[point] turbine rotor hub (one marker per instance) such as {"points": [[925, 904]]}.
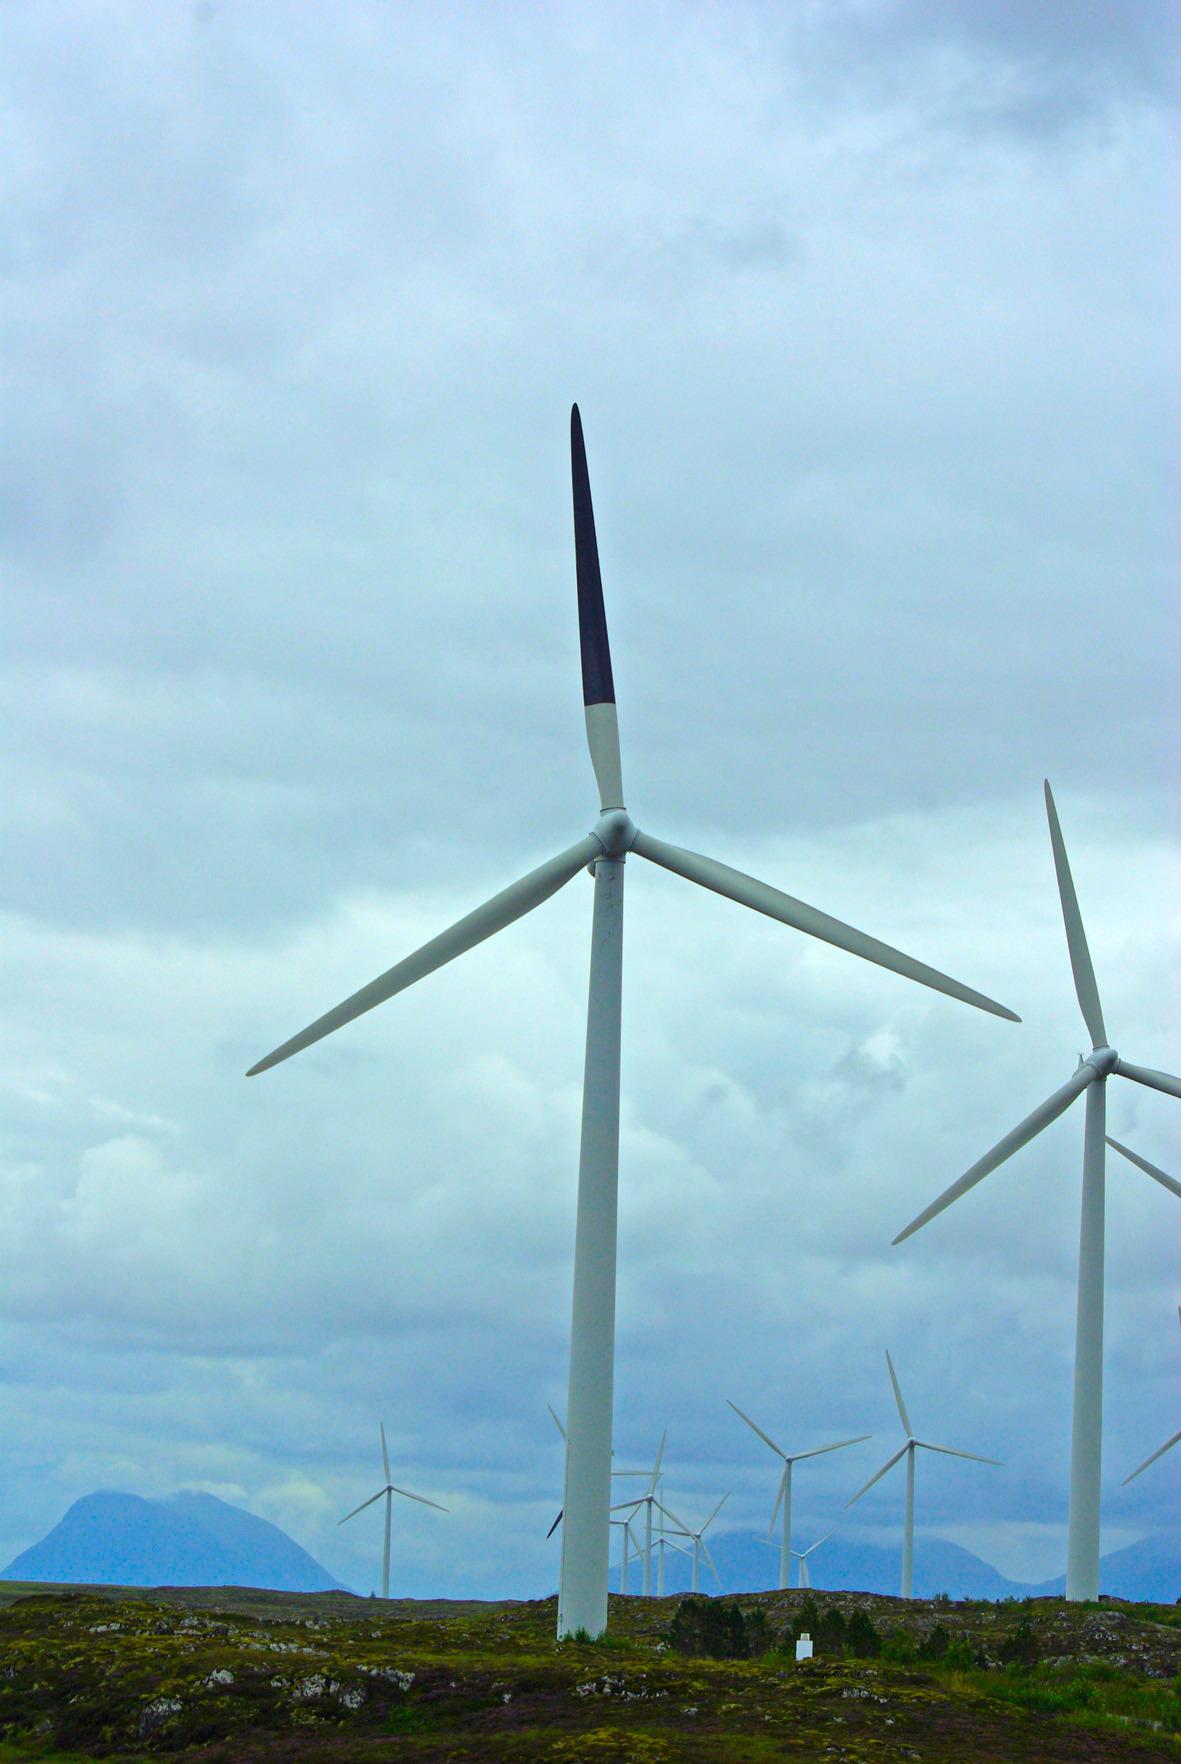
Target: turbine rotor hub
{"points": [[615, 832], [1102, 1060]]}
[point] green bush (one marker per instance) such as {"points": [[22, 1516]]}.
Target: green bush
{"points": [[1020, 1648], [705, 1626], [861, 1638]]}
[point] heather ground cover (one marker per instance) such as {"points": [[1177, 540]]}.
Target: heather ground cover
{"points": [[238, 1676]]}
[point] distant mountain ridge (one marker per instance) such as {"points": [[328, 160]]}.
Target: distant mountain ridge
{"points": [[1150, 1569], [186, 1539]]}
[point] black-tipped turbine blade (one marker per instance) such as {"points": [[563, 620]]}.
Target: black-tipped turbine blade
{"points": [[598, 686]]}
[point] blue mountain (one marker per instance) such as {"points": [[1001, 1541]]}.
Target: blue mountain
{"points": [[1150, 1569], [187, 1539]]}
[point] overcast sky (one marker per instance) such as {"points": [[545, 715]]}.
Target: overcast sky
{"points": [[870, 310]]}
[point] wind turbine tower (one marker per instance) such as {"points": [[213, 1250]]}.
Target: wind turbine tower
{"points": [[1091, 1075], [582, 1600]]}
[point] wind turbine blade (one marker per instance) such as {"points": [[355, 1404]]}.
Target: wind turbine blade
{"points": [[1168, 1445], [1149, 1169], [715, 1513], [818, 1543], [819, 1451], [385, 1456], [1004, 1148], [669, 1514], [422, 1498], [1145, 1075], [1076, 937], [779, 1493], [904, 1417], [953, 1453], [710, 1560], [765, 1437], [554, 1526], [888, 1465], [598, 685], [629, 1506], [362, 1507], [747, 891], [510, 904], [656, 1466], [556, 1422]]}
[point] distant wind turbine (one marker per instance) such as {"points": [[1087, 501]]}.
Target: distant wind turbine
{"points": [[1091, 1075], [784, 1494], [582, 1599], [908, 1451], [1169, 1443], [649, 1502], [700, 1547], [389, 1491], [801, 1557]]}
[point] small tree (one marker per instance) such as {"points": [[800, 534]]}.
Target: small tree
{"points": [[831, 1632], [862, 1638], [1020, 1648], [934, 1644]]}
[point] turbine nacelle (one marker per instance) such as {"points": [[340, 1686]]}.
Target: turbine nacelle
{"points": [[616, 832]]}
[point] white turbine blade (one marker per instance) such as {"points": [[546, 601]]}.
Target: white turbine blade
{"points": [[362, 1507], [556, 1523], [904, 1417], [1149, 1169], [1168, 1445], [1004, 1148], [511, 903], [953, 1453], [598, 686], [629, 1506], [556, 1422], [765, 1437], [1076, 937], [421, 1498], [656, 1466], [819, 1451], [683, 1529], [818, 1543], [1146, 1075], [747, 891], [385, 1456], [714, 1514], [779, 1493], [888, 1465], [712, 1565]]}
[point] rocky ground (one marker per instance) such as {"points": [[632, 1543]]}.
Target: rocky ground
{"points": [[246, 1677]]}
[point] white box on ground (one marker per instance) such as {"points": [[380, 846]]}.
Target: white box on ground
{"points": [[804, 1647]]}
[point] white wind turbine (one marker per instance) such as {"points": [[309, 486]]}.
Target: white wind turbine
{"points": [[700, 1547], [1169, 1443], [784, 1494], [389, 1491], [908, 1450], [582, 1603], [801, 1557], [648, 1500], [1091, 1075]]}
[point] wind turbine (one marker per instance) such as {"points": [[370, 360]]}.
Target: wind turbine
{"points": [[1169, 1443], [700, 1547], [784, 1494], [1091, 1075], [582, 1603], [648, 1501], [389, 1491], [908, 1450], [801, 1557]]}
